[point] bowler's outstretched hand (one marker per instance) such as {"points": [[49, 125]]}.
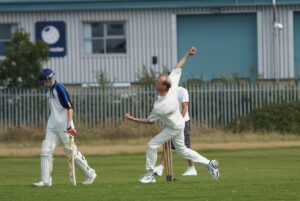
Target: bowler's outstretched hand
{"points": [[128, 116], [192, 51]]}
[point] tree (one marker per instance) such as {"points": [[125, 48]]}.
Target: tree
{"points": [[23, 61], [102, 79]]}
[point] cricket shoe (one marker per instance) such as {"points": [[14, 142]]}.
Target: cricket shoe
{"points": [[147, 179], [190, 171], [213, 168], [42, 183], [91, 179], [158, 170]]}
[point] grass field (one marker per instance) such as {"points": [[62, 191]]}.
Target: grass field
{"points": [[254, 175]]}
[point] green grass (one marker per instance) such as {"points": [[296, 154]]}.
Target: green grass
{"points": [[254, 175]]}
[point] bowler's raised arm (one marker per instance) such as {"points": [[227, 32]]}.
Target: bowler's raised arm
{"points": [[189, 53]]}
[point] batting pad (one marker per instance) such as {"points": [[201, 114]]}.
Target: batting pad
{"points": [[46, 160], [83, 165]]}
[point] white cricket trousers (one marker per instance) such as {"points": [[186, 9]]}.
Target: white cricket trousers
{"points": [[177, 137]]}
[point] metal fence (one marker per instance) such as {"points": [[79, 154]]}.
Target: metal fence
{"points": [[212, 105]]}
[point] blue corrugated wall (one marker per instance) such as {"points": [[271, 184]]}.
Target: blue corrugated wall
{"points": [[297, 43], [227, 45]]}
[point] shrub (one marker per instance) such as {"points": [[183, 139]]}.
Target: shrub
{"points": [[283, 118]]}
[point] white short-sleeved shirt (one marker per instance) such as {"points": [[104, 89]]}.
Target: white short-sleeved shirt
{"points": [[183, 96], [59, 102], [166, 108]]}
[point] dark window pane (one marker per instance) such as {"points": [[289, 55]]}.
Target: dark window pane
{"points": [[1, 48], [115, 29], [98, 46], [97, 30], [116, 45], [3, 45], [5, 31]]}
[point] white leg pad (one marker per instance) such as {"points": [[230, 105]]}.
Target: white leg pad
{"points": [[80, 161], [47, 160], [83, 165]]}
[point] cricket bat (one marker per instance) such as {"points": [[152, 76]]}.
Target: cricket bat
{"points": [[72, 174]]}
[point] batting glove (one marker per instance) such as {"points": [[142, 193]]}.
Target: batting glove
{"points": [[72, 132]]}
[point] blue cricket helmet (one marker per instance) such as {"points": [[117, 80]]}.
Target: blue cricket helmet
{"points": [[46, 74]]}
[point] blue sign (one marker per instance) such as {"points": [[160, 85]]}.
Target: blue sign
{"points": [[52, 33]]}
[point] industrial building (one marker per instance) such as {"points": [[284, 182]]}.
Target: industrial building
{"points": [[250, 39]]}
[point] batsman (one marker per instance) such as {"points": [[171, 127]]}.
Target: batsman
{"points": [[166, 110], [60, 128]]}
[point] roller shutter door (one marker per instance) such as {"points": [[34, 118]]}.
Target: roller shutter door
{"points": [[227, 45]]}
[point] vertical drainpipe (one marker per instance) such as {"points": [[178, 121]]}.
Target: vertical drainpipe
{"points": [[277, 26]]}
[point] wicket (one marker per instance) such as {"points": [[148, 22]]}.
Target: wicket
{"points": [[168, 160]]}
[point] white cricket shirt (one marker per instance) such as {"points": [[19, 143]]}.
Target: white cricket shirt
{"points": [[183, 96], [166, 108], [59, 102]]}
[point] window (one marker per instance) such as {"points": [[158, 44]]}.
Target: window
{"points": [[104, 38], [6, 31]]}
